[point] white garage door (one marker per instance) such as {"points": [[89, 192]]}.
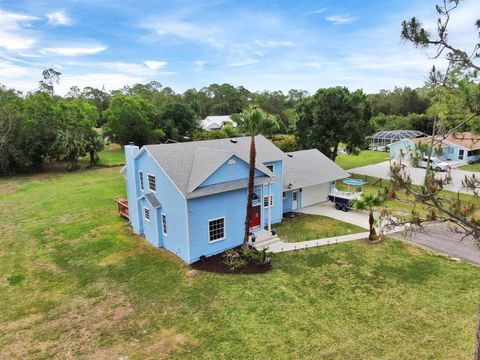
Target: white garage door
{"points": [[315, 194]]}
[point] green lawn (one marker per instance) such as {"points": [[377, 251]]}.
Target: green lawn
{"points": [[112, 155], [311, 227], [75, 283], [365, 157], [471, 167]]}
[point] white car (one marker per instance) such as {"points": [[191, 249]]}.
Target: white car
{"points": [[436, 164]]}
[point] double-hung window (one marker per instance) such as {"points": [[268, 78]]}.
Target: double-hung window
{"points": [[152, 185], [140, 174], [284, 195], [164, 224], [265, 201], [216, 229]]}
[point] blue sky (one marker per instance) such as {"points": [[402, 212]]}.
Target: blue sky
{"points": [[262, 45]]}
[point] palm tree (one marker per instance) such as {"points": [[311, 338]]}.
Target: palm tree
{"points": [[369, 202], [253, 121]]}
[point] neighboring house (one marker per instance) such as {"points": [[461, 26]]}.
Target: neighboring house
{"points": [[191, 198], [463, 146], [216, 122]]}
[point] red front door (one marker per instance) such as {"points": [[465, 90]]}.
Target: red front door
{"points": [[255, 217]]}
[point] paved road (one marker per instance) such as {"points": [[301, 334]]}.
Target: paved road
{"points": [[382, 169], [440, 238]]}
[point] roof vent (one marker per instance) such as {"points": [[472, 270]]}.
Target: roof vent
{"points": [[130, 143], [290, 155], [233, 141]]}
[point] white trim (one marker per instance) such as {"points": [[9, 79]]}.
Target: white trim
{"points": [[148, 180], [270, 203], [187, 227], [144, 213], [166, 225], [296, 192], [270, 207], [224, 230]]}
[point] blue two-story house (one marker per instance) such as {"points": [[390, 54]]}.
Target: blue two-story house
{"points": [[190, 198]]}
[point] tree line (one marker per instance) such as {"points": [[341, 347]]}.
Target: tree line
{"points": [[40, 126]]}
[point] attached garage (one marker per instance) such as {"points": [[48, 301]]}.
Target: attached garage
{"points": [[307, 178], [314, 194]]}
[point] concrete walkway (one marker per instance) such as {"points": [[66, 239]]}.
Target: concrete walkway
{"points": [[382, 170], [281, 246]]}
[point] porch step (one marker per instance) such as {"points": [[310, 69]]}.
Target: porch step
{"points": [[264, 239]]}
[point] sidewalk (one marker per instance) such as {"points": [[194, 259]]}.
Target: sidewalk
{"points": [[281, 246]]}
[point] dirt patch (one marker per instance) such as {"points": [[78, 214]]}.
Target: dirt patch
{"points": [[215, 264], [7, 189]]}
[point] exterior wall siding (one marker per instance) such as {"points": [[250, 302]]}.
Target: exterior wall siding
{"points": [[277, 187], [287, 202], [230, 172], [173, 206], [133, 189], [149, 227], [230, 205]]}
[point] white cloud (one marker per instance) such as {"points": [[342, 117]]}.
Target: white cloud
{"points": [[199, 63], [242, 63], [340, 19], [318, 11], [73, 51], [155, 65], [273, 43], [13, 35], [58, 18]]}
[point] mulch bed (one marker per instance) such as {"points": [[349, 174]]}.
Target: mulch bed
{"points": [[215, 264]]}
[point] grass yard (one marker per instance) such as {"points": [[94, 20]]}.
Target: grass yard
{"points": [[365, 157], [75, 283], [112, 155], [311, 227], [471, 167]]}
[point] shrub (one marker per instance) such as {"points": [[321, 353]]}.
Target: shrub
{"points": [[259, 257], [234, 260]]}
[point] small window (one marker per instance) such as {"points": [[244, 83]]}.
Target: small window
{"points": [[450, 150], [470, 153], [164, 224], [284, 195], [216, 229], [146, 213], [141, 180], [152, 185], [294, 196], [265, 201], [270, 167]]}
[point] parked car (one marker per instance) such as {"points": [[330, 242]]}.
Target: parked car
{"points": [[436, 164]]}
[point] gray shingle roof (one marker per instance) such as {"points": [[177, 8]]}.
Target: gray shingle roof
{"points": [[309, 167], [152, 199], [189, 164]]}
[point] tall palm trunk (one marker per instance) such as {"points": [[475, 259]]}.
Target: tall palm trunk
{"points": [[251, 178], [372, 233]]}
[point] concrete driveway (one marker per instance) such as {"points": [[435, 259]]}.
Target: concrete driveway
{"points": [[353, 216], [440, 238], [381, 170]]}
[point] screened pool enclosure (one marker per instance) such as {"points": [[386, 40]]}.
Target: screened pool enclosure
{"points": [[384, 138]]}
